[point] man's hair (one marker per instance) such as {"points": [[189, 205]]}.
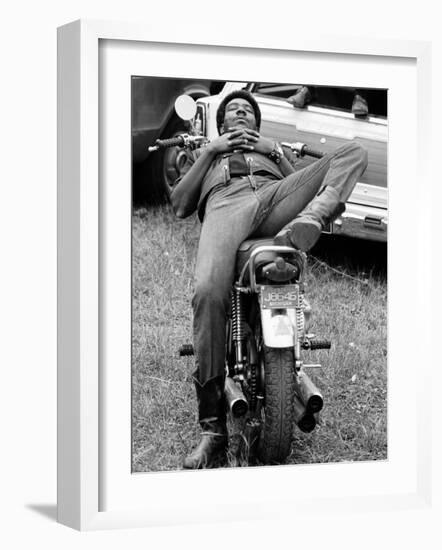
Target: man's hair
{"points": [[244, 94]]}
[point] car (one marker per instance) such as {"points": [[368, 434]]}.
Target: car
{"points": [[153, 117], [324, 124]]}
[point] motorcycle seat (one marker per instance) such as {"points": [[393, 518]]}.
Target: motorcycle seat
{"points": [[247, 247]]}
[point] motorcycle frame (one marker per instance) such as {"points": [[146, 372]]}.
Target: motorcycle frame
{"points": [[287, 316]]}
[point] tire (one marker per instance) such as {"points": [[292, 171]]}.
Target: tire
{"points": [[276, 434], [172, 161], [162, 165]]}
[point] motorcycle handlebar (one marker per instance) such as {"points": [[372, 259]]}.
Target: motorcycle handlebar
{"points": [[185, 140], [313, 152], [182, 140], [165, 143], [302, 149]]}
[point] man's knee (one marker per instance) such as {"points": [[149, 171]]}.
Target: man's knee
{"points": [[362, 154], [211, 293], [356, 152]]}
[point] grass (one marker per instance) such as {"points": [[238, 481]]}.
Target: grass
{"points": [[347, 288]]}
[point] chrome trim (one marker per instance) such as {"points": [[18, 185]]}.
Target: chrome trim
{"points": [[250, 264]]}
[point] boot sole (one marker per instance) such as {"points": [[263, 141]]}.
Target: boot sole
{"points": [[218, 458], [301, 235], [218, 461]]}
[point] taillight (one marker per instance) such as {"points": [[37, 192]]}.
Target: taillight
{"points": [[280, 271]]}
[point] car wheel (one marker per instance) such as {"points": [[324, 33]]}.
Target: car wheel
{"points": [[173, 160], [165, 165]]}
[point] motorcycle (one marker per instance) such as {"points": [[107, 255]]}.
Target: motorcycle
{"points": [[268, 334]]}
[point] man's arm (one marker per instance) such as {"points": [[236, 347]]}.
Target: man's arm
{"points": [[185, 196], [286, 166], [265, 146]]}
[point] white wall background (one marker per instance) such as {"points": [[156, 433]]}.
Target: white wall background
{"points": [[28, 267]]}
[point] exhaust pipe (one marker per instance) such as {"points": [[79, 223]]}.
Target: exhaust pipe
{"points": [[308, 392], [304, 419], [236, 401]]}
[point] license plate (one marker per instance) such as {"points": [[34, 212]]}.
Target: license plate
{"points": [[279, 297]]}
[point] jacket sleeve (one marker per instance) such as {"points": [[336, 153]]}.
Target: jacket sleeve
{"points": [[191, 157], [291, 157]]}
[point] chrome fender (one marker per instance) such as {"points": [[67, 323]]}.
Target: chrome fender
{"points": [[278, 327]]}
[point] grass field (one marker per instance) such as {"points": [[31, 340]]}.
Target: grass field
{"points": [[347, 289]]}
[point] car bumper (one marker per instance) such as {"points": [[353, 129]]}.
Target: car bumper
{"points": [[361, 222]]}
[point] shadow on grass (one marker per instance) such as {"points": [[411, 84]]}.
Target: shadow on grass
{"points": [[356, 255]]}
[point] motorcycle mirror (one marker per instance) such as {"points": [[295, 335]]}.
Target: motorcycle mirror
{"points": [[185, 107]]}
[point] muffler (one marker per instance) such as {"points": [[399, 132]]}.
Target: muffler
{"points": [[236, 401], [308, 392], [304, 419]]}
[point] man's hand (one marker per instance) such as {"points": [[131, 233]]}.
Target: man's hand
{"points": [[229, 141], [259, 143], [243, 139]]}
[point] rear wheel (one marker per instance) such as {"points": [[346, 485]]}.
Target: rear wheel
{"points": [[276, 434]]}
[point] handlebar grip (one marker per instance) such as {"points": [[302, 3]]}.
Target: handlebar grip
{"points": [[171, 142], [312, 152]]}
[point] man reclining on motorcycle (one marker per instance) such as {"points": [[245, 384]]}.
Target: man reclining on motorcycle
{"points": [[244, 185]]}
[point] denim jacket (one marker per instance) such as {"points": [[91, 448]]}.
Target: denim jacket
{"points": [[218, 172]]}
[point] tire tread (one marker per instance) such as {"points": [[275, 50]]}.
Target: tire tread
{"points": [[276, 436]]}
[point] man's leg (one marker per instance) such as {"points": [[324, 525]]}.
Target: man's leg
{"points": [[212, 419], [229, 218], [304, 202]]}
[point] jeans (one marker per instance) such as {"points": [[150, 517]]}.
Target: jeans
{"points": [[238, 211]]}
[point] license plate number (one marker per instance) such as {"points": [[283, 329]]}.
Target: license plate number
{"points": [[279, 297]]}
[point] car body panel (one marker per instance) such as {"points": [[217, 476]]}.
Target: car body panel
{"points": [[153, 101]]}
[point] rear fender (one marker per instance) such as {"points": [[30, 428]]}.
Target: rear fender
{"points": [[278, 327]]}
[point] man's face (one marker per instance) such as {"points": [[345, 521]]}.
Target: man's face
{"points": [[239, 113]]}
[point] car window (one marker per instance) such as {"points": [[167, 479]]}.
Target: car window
{"points": [[276, 90], [340, 98]]}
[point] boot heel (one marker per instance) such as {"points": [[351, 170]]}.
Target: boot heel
{"points": [[302, 234], [305, 234]]}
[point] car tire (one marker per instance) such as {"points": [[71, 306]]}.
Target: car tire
{"points": [[172, 159], [164, 165]]}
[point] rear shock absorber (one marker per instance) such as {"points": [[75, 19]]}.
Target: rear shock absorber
{"points": [[238, 327], [299, 312], [253, 386]]}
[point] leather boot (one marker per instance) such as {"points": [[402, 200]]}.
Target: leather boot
{"points": [[301, 98], [304, 231], [212, 418]]}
